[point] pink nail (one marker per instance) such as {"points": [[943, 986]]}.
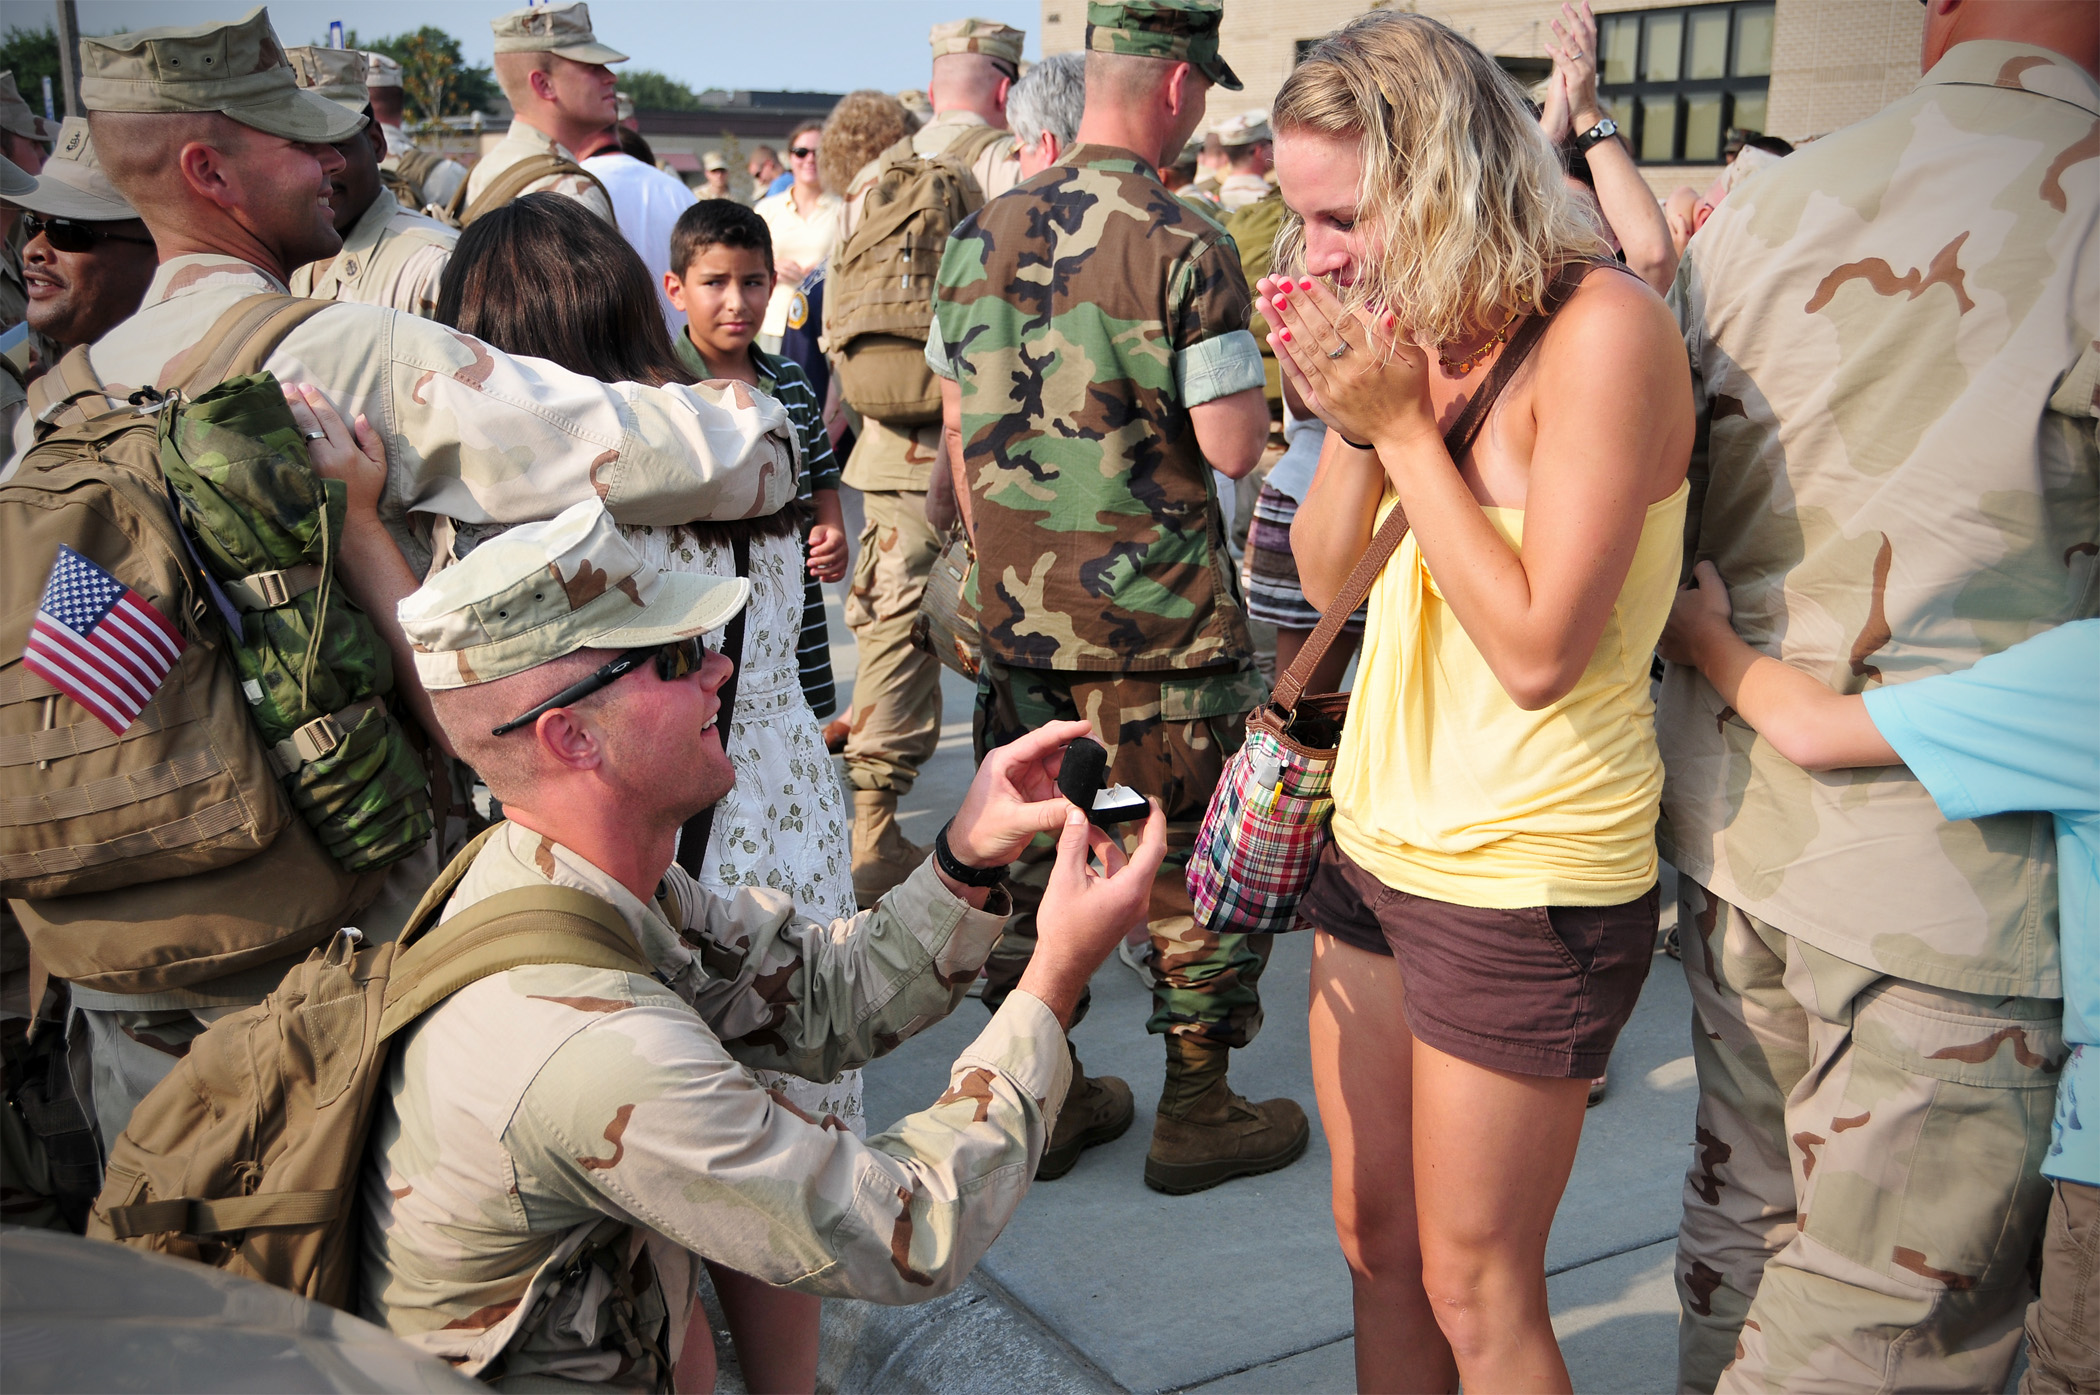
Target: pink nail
{"points": [[1305, 285], [1285, 336], [1282, 303]]}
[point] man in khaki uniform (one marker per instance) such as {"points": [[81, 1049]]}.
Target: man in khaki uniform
{"points": [[391, 255], [897, 689], [553, 1145], [1892, 336], [24, 137], [228, 162], [1247, 144], [562, 94], [433, 178]]}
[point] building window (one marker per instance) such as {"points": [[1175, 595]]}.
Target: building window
{"points": [[1300, 49], [1677, 80]]}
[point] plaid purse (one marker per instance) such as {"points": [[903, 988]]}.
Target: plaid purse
{"points": [[1267, 822]]}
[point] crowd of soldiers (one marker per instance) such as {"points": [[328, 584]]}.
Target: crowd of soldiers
{"points": [[557, 1142]]}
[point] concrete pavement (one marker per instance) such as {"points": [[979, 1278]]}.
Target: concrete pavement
{"points": [[1100, 1284]]}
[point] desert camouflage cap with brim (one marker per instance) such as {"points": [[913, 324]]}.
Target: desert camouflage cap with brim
{"points": [[18, 116], [335, 73], [1180, 31], [381, 71], [238, 70], [986, 36], [563, 30], [72, 184], [14, 180], [1245, 129], [542, 590]]}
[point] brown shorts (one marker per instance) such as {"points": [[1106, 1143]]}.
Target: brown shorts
{"points": [[1542, 990]]}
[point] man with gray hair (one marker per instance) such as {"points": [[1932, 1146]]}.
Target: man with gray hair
{"points": [[1043, 110]]}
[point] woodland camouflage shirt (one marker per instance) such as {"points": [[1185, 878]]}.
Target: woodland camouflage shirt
{"points": [[1084, 314]]}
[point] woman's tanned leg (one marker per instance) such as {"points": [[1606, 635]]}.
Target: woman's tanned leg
{"points": [[1491, 1158], [773, 1329], [1362, 1077]]}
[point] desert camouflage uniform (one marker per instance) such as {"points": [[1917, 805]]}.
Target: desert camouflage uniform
{"points": [[1892, 335], [391, 256], [443, 179], [1083, 316], [896, 688], [522, 142], [532, 1120], [471, 433]]}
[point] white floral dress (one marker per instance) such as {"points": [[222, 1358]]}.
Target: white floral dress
{"points": [[783, 825]]}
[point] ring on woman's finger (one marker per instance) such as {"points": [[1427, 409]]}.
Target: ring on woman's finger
{"points": [[1339, 349], [315, 435]]}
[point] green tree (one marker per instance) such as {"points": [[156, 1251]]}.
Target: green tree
{"points": [[435, 80], [32, 55], [652, 91]]}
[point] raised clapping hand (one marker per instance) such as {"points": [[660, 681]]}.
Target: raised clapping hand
{"points": [[1373, 390], [1574, 54]]}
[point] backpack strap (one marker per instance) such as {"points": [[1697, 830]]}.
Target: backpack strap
{"points": [[68, 394], [239, 342], [514, 181]]}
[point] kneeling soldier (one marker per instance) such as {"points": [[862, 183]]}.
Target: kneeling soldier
{"points": [[556, 1143]]}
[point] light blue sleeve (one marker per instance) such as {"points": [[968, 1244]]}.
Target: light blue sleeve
{"points": [[1217, 367], [2018, 730]]}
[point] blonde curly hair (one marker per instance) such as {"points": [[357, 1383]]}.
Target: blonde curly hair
{"points": [[1459, 183], [860, 127]]}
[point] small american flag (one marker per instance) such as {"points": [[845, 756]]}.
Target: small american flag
{"points": [[99, 642]]}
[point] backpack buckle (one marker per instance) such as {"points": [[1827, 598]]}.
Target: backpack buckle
{"points": [[310, 742], [270, 586]]}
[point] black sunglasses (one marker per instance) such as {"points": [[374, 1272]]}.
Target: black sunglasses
{"points": [[72, 235], [802, 152], [673, 661]]}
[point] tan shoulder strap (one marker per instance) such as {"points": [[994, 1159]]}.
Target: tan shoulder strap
{"points": [[62, 396], [1290, 685], [513, 182], [239, 342]]}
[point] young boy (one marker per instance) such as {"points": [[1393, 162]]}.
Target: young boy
{"points": [[721, 276], [2019, 730]]}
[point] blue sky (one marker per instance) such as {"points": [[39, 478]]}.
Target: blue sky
{"points": [[810, 45]]}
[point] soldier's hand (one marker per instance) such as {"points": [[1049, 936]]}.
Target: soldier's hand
{"points": [[353, 454], [1014, 797], [1086, 912]]}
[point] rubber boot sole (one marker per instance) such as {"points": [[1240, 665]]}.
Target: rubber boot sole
{"points": [[1056, 1162], [1181, 1179]]}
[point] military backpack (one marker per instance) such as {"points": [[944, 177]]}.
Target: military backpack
{"points": [[511, 185], [1254, 229], [405, 180], [879, 291], [247, 1157], [245, 813]]}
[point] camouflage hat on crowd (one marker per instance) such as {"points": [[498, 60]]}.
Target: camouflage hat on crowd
{"points": [[335, 73], [1182, 31], [713, 160], [916, 104], [381, 71], [1245, 129], [541, 590], [16, 116], [985, 36], [72, 184], [238, 70], [14, 180], [563, 30]]}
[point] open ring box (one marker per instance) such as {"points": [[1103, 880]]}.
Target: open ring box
{"points": [[1079, 779]]}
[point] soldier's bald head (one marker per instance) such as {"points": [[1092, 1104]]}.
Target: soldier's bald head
{"points": [[513, 765], [514, 74], [967, 80], [1126, 78], [140, 150]]}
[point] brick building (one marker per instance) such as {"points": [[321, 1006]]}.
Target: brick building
{"points": [[1676, 76]]}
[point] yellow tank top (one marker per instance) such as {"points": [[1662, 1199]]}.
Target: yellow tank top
{"points": [[1447, 789]]}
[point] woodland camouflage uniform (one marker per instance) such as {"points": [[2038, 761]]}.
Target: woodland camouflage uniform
{"points": [[1892, 335]]}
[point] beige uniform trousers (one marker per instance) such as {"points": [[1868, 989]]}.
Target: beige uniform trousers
{"points": [[1863, 1196], [897, 691]]}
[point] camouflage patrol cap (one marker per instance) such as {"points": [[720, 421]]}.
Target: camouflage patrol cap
{"points": [[713, 160], [1182, 31], [985, 36], [238, 70], [381, 71], [335, 73], [72, 184], [16, 116], [562, 29], [1245, 129], [542, 590]]}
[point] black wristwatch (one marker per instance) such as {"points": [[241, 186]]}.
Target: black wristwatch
{"points": [[1603, 131], [944, 857]]}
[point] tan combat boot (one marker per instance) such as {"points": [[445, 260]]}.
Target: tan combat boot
{"points": [[1205, 1134], [882, 855], [1098, 1109]]}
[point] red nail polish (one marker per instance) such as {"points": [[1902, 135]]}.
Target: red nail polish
{"points": [[1282, 303], [1285, 336], [1305, 285]]}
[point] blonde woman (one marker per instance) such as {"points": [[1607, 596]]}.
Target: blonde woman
{"points": [[1487, 910]]}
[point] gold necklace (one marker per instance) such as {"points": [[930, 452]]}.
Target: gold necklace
{"points": [[1472, 360]]}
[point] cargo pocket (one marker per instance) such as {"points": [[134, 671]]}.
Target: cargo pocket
{"points": [[1203, 720]]}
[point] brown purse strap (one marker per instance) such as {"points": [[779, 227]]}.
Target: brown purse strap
{"points": [[1458, 440]]}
